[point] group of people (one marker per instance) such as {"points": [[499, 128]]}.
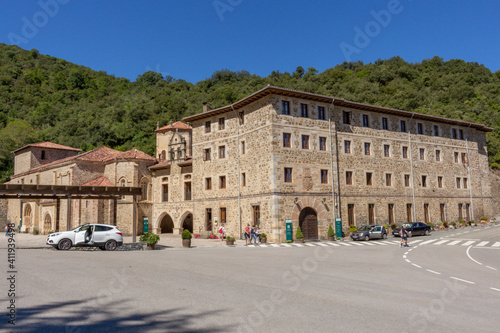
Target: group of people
{"points": [[252, 233], [404, 237]]}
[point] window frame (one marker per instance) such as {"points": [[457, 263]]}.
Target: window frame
{"points": [[285, 107], [321, 113], [222, 152], [222, 124], [287, 143], [304, 112], [288, 175], [322, 143], [208, 127], [324, 176], [305, 144]]}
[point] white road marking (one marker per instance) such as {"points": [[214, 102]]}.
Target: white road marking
{"points": [[321, 244], [286, 245], [387, 242], [416, 241], [358, 244], [497, 244], [493, 268], [428, 242], [345, 244], [332, 244], [274, 245], [250, 245], [262, 245], [454, 242], [434, 272], [465, 232], [379, 243], [369, 243], [468, 243], [309, 244], [455, 278], [482, 244], [407, 260], [468, 255], [494, 289], [404, 256], [441, 242], [298, 245], [417, 266]]}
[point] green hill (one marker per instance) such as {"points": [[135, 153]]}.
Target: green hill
{"points": [[43, 98]]}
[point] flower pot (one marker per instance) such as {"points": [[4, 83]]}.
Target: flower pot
{"points": [[331, 238], [299, 240], [229, 242], [151, 246], [263, 240], [186, 243]]}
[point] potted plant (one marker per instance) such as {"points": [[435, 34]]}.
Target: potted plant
{"points": [[445, 224], [462, 222], [484, 220], [471, 223], [352, 228], [299, 236], [230, 240], [150, 239], [331, 234], [186, 238], [430, 224], [263, 238], [35, 231], [453, 224], [393, 226]]}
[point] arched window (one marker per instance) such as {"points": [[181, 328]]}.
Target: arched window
{"points": [[43, 154], [123, 183], [47, 223], [163, 155], [27, 216]]}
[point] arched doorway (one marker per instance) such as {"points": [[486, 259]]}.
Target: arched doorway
{"points": [[188, 223], [167, 225], [308, 222], [47, 224], [27, 218]]}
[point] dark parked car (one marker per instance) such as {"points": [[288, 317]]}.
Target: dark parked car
{"points": [[368, 232], [414, 229]]}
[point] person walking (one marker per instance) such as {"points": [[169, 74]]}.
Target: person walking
{"points": [[247, 235], [6, 230], [256, 235], [404, 237], [222, 231]]}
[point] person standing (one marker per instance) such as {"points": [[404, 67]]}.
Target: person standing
{"points": [[404, 237], [6, 230], [256, 235], [247, 235], [222, 231]]}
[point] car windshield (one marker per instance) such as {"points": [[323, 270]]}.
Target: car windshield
{"points": [[364, 228], [80, 227], [407, 225]]}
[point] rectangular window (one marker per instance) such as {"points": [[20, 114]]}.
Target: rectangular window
{"points": [[223, 215], [460, 211], [350, 214], [442, 212], [365, 121], [369, 178], [405, 152], [435, 130], [288, 175], [407, 180], [424, 181], [303, 110], [321, 113], [187, 191], [241, 117], [438, 155], [371, 213], [458, 182], [408, 213], [390, 213], [208, 219], [461, 132], [324, 176], [256, 216], [420, 128], [243, 179], [222, 152], [453, 133], [208, 128], [348, 177], [455, 156], [222, 124], [346, 117], [385, 125], [322, 143], [305, 141], [286, 140], [347, 147], [402, 126], [440, 181], [388, 179], [467, 211], [466, 183], [285, 107], [222, 182], [165, 193], [206, 154], [386, 150], [426, 213], [208, 183], [422, 154], [367, 148], [464, 158], [242, 147]]}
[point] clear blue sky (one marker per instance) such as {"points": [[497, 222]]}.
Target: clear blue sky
{"points": [[190, 39]]}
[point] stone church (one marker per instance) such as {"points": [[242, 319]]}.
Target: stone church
{"points": [[275, 155]]}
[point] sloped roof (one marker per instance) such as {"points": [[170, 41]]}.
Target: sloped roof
{"points": [[101, 181], [160, 165], [177, 125], [135, 154], [47, 145]]}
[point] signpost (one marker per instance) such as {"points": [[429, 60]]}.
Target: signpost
{"points": [[338, 227], [145, 224], [288, 230]]}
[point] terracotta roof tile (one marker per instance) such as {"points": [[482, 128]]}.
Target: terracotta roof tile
{"points": [[49, 145], [101, 181], [176, 125], [160, 165], [137, 154]]}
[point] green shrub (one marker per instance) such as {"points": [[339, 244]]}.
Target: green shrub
{"points": [[186, 234], [453, 224], [393, 226], [229, 238], [352, 228], [386, 226], [494, 165], [462, 221], [484, 218], [299, 234], [330, 232], [471, 222], [262, 235], [149, 238]]}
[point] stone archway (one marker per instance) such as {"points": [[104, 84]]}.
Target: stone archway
{"points": [[308, 222], [27, 218], [167, 225], [47, 223], [187, 223]]}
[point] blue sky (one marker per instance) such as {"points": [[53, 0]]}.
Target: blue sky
{"points": [[191, 39]]}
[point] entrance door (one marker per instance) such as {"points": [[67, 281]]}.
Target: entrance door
{"points": [[308, 222], [167, 225], [188, 223]]}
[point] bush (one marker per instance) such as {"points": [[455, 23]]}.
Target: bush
{"points": [[494, 165], [471, 222], [386, 226], [330, 232], [430, 225], [35, 231], [186, 234], [393, 226], [150, 238], [484, 218], [453, 224], [352, 228], [461, 221], [262, 235], [229, 238], [299, 234]]}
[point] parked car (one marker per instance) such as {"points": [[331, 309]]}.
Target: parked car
{"points": [[104, 236], [414, 229], [368, 232]]}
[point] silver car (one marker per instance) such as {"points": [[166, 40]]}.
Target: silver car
{"points": [[104, 236], [368, 232]]}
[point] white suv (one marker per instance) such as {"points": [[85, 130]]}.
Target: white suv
{"points": [[104, 236]]}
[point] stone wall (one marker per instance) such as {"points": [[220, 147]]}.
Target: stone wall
{"points": [[3, 212]]}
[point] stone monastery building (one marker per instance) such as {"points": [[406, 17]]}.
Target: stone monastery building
{"points": [[276, 155]]}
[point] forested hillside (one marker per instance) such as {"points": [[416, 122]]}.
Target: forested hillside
{"points": [[43, 98]]}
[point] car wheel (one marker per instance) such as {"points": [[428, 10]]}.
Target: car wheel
{"points": [[110, 245], [367, 238], [64, 244], [384, 236], [102, 248], [409, 233], [427, 233]]}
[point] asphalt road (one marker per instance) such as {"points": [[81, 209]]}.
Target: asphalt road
{"points": [[447, 282]]}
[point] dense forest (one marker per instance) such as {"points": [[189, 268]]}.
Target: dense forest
{"points": [[43, 98]]}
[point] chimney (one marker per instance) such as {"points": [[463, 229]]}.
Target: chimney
{"points": [[157, 125], [206, 107]]}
